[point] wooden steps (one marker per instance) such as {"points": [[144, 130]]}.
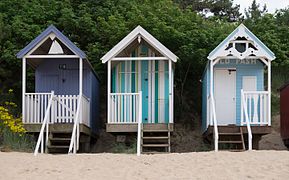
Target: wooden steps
{"points": [[233, 141], [58, 142], [154, 141]]}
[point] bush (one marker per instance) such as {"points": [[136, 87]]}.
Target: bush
{"points": [[123, 148], [13, 136], [12, 141]]}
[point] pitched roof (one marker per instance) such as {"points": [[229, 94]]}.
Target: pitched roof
{"points": [[59, 35], [131, 37], [242, 31]]}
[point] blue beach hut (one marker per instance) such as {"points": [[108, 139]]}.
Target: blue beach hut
{"points": [[66, 97], [236, 100]]}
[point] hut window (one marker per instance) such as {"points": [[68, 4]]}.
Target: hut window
{"points": [[240, 47]]}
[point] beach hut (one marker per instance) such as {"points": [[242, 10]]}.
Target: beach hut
{"points": [[140, 88], [63, 110], [284, 113], [236, 99]]}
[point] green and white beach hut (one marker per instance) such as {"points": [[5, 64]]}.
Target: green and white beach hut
{"points": [[140, 84]]}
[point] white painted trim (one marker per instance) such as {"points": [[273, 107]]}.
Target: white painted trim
{"points": [[170, 92], [51, 56], [80, 84], [37, 46], [264, 61], [138, 58], [153, 91], [269, 91], [23, 87], [108, 90], [242, 31], [80, 76], [211, 88], [138, 31]]}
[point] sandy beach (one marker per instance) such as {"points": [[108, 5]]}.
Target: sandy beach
{"points": [[202, 165]]}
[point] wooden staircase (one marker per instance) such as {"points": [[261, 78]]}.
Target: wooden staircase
{"points": [[155, 141], [58, 142], [233, 141]]}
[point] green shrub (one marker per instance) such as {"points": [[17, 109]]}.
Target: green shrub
{"points": [[123, 148], [11, 141]]}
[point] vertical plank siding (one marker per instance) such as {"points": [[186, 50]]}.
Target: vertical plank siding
{"points": [[151, 77]]}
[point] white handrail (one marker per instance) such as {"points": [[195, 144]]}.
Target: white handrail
{"points": [[139, 124], [255, 92], [74, 142], [244, 103], [216, 134], [44, 123]]}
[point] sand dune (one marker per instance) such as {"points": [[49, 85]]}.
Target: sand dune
{"points": [[202, 165]]}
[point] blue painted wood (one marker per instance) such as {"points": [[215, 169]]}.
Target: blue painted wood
{"points": [[156, 92], [144, 88], [241, 71], [166, 92], [48, 77]]}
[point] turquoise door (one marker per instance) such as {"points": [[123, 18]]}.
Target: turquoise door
{"points": [[144, 85]]}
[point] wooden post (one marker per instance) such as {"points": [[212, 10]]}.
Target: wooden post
{"points": [[23, 87], [80, 75], [170, 93], [108, 89], [139, 122], [269, 91], [211, 89]]}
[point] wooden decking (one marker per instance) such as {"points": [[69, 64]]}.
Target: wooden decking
{"points": [[127, 128], [59, 128], [257, 132]]}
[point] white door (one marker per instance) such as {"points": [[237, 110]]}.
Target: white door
{"points": [[225, 96]]}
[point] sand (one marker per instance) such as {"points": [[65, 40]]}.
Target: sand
{"points": [[201, 165]]}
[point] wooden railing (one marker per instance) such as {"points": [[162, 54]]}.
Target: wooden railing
{"points": [[63, 108], [247, 120], [124, 107], [74, 142], [139, 125], [213, 121], [45, 126], [257, 105], [35, 107]]}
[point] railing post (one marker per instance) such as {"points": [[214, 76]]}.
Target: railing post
{"points": [[247, 120], [23, 88], [139, 125]]}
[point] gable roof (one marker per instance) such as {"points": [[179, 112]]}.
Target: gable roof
{"points": [[59, 35], [131, 37], [242, 31]]}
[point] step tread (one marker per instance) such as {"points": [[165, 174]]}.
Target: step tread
{"points": [[152, 130], [155, 137], [154, 152], [230, 134], [231, 142], [155, 145], [57, 147], [59, 139]]}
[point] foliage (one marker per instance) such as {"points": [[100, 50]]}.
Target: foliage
{"points": [[12, 132], [11, 141], [123, 148], [96, 26]]}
